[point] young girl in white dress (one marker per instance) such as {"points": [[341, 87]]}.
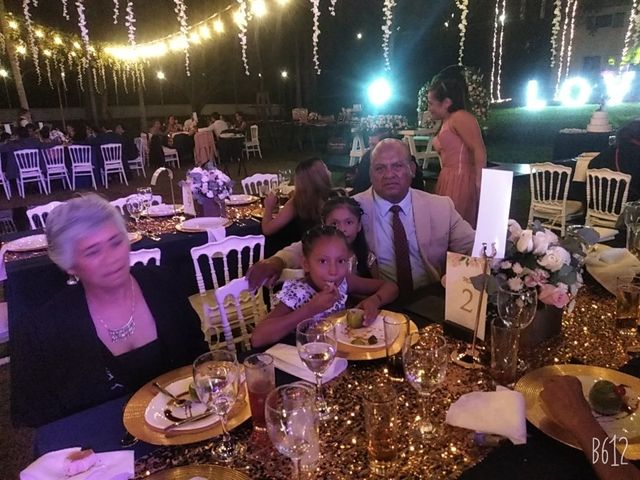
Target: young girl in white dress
{"points": [[324, 289]]}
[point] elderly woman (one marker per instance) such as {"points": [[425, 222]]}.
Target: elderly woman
{"points": [[105, 337]]}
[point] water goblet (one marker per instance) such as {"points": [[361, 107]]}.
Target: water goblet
{"points": [[425, 357], [517, 309], [292, 420], [216, 377], [135, 207], [317, 347]]}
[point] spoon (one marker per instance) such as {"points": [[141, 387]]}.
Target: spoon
{"points": [[178, 402]]}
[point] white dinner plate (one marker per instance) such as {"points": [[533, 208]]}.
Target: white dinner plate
{"points": [[164, 210], [28, 244], [346, 334], [155, 416], [241, 199], [201, 224]]}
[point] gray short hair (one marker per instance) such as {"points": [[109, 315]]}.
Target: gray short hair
{"points": [[75, 219]]}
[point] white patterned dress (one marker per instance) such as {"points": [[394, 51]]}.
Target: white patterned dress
{"points": [[296, 293]]}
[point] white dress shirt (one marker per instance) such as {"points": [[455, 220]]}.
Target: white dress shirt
{"points": [[219, 126], [385, 247]]}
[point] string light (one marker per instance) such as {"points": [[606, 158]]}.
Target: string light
{"points": [[332, 8], [32, 39], [555, 30], [84, 31], [315, 8], [65, 11], [181, 14], [565, 25], [240, 17], [463, 5], [116, 11], [564, 60], [570, 47], [218, 26], [130, 23], [387, 11], [13, 24], [258, 8], [204, 32], [633, 25], [499, 18]]}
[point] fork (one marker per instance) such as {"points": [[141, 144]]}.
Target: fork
{"points": [[178, 402]]}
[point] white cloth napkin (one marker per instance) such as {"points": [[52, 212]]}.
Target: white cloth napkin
{"points": [[501, 412], [216, 234], [3, 268], [286, 358], [110, 466], [606, 264]]}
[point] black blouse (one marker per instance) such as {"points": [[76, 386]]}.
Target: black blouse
{"points": [[59, 365]]}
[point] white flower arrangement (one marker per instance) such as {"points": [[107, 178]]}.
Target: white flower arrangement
{"points": [[537, 258], [209, 184], [390, 122]]}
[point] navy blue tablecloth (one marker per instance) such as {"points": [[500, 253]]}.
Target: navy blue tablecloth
{"points": [[570, 145]]}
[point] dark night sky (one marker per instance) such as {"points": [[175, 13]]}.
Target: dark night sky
{"points": [[421, 46]]}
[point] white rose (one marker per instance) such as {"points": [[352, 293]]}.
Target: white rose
{"points": [[525, 242], [514, 229], [506, 265], [515, 284], [204, 187], [555, 258], [209, 194]]}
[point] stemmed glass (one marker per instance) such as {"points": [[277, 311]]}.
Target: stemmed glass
{"points": [[517, 309], [425, 357], [146, 194], [292, 420], [317, 347], [216, 376], [135, 208]]}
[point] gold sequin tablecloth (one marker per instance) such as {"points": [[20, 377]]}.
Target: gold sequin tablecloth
{"points": [[588, 336]]}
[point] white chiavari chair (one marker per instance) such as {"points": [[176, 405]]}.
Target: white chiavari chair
{"points": [[28, 162], [112, 158], [144, 256], [607, 193], [38, 215], [81, 165], [55, 168], [251, 185]]}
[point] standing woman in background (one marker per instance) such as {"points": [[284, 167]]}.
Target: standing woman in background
{"points": [[460, 145]]}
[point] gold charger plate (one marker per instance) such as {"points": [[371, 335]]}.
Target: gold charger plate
{"points": [[351, 352], [133, 417], [182, 229], [134, 237], [531, 385], [210, 472]]}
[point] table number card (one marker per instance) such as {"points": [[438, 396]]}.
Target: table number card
{"points": [[187, 200], [462, 298], [493, 211]]}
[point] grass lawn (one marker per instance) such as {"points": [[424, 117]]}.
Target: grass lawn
{"points": [[519, 135]]}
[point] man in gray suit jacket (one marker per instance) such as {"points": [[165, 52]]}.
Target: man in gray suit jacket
{"points": [[431, 223]]}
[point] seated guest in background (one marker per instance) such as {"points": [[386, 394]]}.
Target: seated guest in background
{"points": [[312, 180], [92, 132], [172, 125], [56, 134], [157, 141], [44, 135], [397, 219], [218, 124], [105, 337], [4, 137], [22, 141], [107, 135], [129, 149], [32, 129], [459, 143], [239, 124], [24, 117], [624, 156], [324, 289]]}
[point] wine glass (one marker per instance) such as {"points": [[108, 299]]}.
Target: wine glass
{"points": [[146, 194], [317, 346], [517, 309], [134, 208], [424, 357], [292, 421], [216, 380]]}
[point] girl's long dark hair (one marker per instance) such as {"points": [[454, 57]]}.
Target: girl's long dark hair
{"points": [[359, 246]]}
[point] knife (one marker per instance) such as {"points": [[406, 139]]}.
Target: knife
{"points": [[195, 418]]}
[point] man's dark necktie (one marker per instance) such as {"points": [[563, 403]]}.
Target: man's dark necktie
{"points": [[403, 262]]}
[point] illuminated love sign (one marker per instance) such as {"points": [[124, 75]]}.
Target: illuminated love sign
{"points": [[576, 91]]}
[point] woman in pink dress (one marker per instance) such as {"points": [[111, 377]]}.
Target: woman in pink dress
{"points": [[459, 143]]}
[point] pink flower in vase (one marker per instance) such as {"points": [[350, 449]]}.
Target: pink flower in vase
{"points": [[536, 277], [555, 295]]}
